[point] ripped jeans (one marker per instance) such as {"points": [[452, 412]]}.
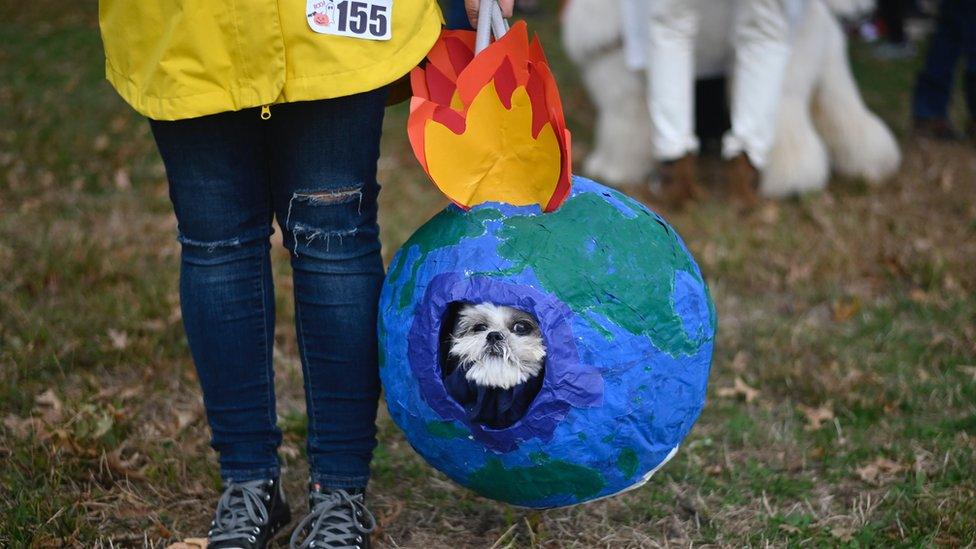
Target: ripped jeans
{"points": [[311, 166]]}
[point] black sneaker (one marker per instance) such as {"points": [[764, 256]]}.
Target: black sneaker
{"points": [[338, 519], [249, 514]]}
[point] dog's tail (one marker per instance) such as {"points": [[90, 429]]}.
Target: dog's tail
{"points": [[860, 144]]}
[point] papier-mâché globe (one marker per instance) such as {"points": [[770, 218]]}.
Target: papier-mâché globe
{"points": [[622, 307]]}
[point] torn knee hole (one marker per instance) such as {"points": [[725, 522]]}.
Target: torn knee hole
{"points": [[212, 245], [307, 235], [331, 196]]}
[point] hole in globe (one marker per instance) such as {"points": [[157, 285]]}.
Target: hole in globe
{"points": [[492, 361]]}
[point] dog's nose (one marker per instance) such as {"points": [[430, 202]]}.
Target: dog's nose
{"points": [[494, 337]]}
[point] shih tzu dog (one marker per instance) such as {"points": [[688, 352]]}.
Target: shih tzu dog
{"points": [[498, 355]]}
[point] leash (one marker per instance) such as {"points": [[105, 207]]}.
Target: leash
{"points": [[491, 23]]}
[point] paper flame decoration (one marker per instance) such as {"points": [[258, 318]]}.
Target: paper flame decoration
{"points": [[490, 128]]}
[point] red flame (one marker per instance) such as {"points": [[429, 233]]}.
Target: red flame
{"points": [[453, 76]]}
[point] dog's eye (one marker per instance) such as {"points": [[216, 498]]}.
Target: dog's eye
{"points": [[479, 328], [522, 327]]}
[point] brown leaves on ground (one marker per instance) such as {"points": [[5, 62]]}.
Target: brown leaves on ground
{"points": [[82, 427], [739, 389], [880, 471], [816, 417]]}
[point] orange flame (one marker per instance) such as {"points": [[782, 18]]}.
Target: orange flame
{"points": [[490, 128]]}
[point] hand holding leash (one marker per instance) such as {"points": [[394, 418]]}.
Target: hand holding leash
{"points": [[474, 9]]}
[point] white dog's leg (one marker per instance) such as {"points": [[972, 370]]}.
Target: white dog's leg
{"points": [[860, 144], [621, 154], [798, 162]]}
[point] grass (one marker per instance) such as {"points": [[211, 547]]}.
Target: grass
{"points": [[848, 319]]}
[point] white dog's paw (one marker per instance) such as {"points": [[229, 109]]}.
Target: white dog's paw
{"points": [[864, 148]]}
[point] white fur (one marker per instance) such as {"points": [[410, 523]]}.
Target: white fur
{"points": [[521, 355], [823, 121]]}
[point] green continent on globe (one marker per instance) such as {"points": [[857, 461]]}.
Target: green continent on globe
{"points": [[525, 484], [595, 259], [445, 229], [627, 462]]}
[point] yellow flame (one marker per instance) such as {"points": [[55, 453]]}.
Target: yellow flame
{"points": [[497, 145]]}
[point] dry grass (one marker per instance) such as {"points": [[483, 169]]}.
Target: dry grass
{"points": [[842, 409]]}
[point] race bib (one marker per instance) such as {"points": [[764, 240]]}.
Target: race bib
{"points": [[366, 19]]}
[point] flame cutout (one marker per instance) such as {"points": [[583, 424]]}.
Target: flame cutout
{"points": [[490, 128]]}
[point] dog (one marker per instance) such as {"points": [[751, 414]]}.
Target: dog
{"points": [[822, 123], [498, 354]]}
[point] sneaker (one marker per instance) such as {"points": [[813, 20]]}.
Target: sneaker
{"points": [[249, 514], [338, 519]]}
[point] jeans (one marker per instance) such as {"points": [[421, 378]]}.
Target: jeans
{"points": [[456, 15], [661, 35], [954, 36], [312, 166]]}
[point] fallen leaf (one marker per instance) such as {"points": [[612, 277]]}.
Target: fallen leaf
{"points": [[845, 309], [738, 389], [919, 296], [183, 418], [877, 471], [189, 543], [49, 406], [119, 339], [125, 467], [816, 416], [48, 399], [740, 362]]}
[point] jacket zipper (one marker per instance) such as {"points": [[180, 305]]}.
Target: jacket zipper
{"points": [[265, 112]]}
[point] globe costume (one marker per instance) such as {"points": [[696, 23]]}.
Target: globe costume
{"points": [[624, 312]]}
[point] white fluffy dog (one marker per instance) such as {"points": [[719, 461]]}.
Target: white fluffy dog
{"points": [[822, 120]]}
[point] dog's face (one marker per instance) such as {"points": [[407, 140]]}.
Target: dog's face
{"points": [[498, 346]]}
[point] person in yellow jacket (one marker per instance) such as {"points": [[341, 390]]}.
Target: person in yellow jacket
{"points": [[263, 110]]}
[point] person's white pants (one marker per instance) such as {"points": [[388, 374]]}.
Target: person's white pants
{"points": [[760, 36]]}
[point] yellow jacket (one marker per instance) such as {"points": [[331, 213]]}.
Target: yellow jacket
{"points": [[174, 59]]}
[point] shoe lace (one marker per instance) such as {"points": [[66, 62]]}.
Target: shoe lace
{"points": [[336, 521], [241, 511]]}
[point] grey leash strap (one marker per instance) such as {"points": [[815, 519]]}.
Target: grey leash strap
{"points": [[491, 23]]}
